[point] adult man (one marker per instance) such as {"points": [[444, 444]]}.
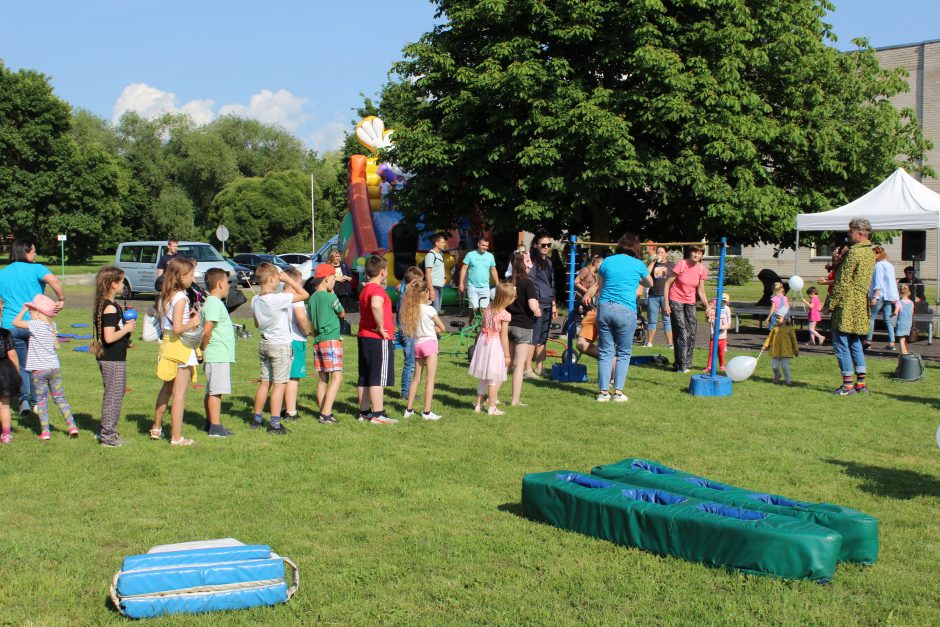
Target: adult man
{"points": [[434, 268], [172, 246], [477, 270], [849, 306]]}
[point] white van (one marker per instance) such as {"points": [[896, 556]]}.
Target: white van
{"points": [[139, 261]]}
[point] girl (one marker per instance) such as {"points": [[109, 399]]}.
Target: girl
{"points": [[904, 311], [779, 305], [491, 355], [177, 361], [783, 346], [815, 316], [114, 336], [723, 327], [42, 362], [412, 274], [421, 324], [10, 382]]}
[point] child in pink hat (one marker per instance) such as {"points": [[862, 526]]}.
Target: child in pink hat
{"points": [[42, 361]]}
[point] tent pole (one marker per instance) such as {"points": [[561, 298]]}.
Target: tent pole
{"points": [[937, 298], [796, 254]]}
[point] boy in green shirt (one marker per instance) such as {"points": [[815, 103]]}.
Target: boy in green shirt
{"points": [[218, 349], [325, 315]]}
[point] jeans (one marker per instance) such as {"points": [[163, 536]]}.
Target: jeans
{"points": [[655, 305], [849, 353], [408, 367], [438, 299], [615, 326], [21, 344], [885, 308]]}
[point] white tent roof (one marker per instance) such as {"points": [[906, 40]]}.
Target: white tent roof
{"points": [[899, 203]]}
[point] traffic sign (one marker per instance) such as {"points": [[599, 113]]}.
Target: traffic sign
{"points": [[222, 233]]}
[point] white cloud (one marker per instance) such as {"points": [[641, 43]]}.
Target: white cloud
{"points": [[282, 108], [329, 137]]}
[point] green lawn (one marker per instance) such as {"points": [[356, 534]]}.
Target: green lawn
{"points": [[420, 522], [54, 264]]}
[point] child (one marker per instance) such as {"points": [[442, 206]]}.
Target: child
{"points": [[42, 362], [783, 346], [420, 322], [491, 354], [815, 317], [904, 311], [779, 305], [325, 315], [271, 312], [412, 274], [177, 362], [376, 350], [724, 325], [114, 336], [218, 350], [299, 330], [10, 382]]}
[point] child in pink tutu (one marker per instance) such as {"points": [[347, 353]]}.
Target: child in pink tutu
{"points": [[491, 354]]}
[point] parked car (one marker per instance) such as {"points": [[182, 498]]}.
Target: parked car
{"points": [[253, 260], [302, 261], [244, 274], [324, 250]]}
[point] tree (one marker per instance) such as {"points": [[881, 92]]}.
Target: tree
{"points": [[258, 148], [673, 118]]}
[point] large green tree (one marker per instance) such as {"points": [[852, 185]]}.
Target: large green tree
{"points": [[674, 118]]}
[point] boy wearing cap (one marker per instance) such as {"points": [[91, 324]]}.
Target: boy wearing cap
{"points": [[325, 315], [723, 327]]}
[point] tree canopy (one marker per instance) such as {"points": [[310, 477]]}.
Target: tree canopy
{"points": [[679, 118]]}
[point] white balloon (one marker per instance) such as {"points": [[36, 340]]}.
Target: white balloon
{"points": [[741, 368], [796, 282], [938, 436]]}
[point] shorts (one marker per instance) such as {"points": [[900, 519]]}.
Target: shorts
{"points": [[589, 326], [541, 326], [518, 335], [328, 356], [425, 349], [479, 297], [275, 361], [376, 362], [218, 377], [298, 365]]}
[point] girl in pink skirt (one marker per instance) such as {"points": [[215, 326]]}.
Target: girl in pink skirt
{"points": [[491, 355]]}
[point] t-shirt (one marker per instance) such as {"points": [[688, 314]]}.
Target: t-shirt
{"points": [[435, 261], [521, 314], [270, 310], [586, 278], [622, 275], [324, 316], [366, 319], [167, 318], [165, 261], [221, 346], [660, 275], [687, 279], [296, 333], [783, 305], [115, 351], [724, 325], [20, 282], [425, 329], [41, 354], [478, 268]]}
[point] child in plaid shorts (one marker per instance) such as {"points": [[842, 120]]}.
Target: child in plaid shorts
{"points": [[325, 315]]}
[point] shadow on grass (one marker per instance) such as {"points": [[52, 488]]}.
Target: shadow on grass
{"points": [[896, 483], [512, 508], [914, 396]]}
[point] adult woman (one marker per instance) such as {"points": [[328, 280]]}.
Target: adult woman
{"points": [[659, 267], [686, 282], [618, 279], [524, 311], [343, 286], [915, 284], [542, 275], [20, 282], [882, 295], [849, 305]]}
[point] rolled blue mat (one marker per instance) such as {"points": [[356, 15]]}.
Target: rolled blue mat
{"points": [[80, 325], [83, 337], [81, 349], [68, 335]]}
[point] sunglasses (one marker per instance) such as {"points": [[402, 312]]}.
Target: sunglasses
{"points": [[544, 245]]}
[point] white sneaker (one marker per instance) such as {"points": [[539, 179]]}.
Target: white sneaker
{"points": [[408, 413], [686, 371], [382, 420], [430, 415], [648, 345], [620, 398], [603, 398]]}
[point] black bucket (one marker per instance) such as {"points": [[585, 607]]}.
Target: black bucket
{"points": [[910, 368]]}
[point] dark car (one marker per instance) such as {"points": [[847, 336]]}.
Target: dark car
{"points": [[245, 274], [253, 260]]}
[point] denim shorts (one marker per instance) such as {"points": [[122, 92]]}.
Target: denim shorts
{"points": [[654, 305], [541, 326]]}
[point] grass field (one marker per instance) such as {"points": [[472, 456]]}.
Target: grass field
{"points": [[419, 523]]}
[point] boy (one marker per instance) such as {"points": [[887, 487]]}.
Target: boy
{"points": [[325, 315], [218, 350], [270, 311], [434, 268], [376, 351], [299, 330]]}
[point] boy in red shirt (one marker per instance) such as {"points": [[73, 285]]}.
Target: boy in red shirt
{"points": [[376, 350]]}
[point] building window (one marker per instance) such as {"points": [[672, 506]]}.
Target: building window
{"points": [[714, 250]]}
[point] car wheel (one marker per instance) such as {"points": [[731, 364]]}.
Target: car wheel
{"points": [[126, 292]]}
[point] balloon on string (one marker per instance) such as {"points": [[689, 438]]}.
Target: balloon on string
{"points": [[796, 282], [741, 368], [130, 314], [361, 262]]}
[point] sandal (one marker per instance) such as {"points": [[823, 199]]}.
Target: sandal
{"points": [[182, 442], [156, 433]]}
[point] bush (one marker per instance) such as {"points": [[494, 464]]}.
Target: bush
{"points": [[738, 270]]}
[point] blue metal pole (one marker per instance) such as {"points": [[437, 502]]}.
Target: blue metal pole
{"points": [[718, 305], [571, 273]]}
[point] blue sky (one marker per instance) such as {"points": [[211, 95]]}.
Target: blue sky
{"points": [[301, 64]]}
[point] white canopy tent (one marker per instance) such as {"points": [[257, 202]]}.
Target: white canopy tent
{"points": [[899, 203]]}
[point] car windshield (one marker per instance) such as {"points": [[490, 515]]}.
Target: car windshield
{"points": [[275, 260], [200, 252]]}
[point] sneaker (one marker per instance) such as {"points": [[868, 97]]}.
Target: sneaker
{"points": [[476, 409], [686, 371], [648, 345], [670, 347], [278, 430], [206, 426], [382, 419], [73, 431], [603, 397], [45, 435], [862, 390], [365, 416], [257, 424], [328, 420], [619, 398], [25, 408], [408, 413], [219, 431], [430, 415], [844, 391], [289, 416], [493, 411], [530, 374], [113, 444], [889, 347], [6, 438]]}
